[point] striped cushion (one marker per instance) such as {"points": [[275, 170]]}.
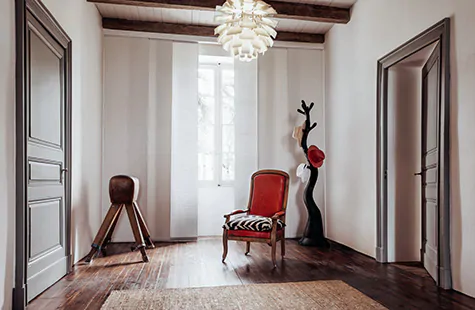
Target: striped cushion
{"points": [[252, 222]]}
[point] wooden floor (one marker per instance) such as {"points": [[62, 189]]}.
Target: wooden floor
{"points": [[196, 264]]}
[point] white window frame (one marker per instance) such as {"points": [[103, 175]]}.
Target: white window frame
{"points": [[218, 67]]}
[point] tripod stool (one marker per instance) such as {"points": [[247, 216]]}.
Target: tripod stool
{"points": [[123, 192]]}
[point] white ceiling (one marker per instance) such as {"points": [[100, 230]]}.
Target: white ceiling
{"points": [[195, 17]]}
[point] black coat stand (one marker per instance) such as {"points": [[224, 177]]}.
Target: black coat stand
{"points": [[313, 234]]}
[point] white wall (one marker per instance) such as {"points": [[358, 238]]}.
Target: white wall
{"points": [[82, 22], [352, 50], [246, 129], [7, 151], [135, 100], [404, 159], [213, 203], [286, 76], [137, 126], [184, 164]]}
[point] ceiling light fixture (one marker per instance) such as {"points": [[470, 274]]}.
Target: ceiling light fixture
{"points": [[247, 28]]}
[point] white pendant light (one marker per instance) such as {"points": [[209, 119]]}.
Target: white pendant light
{"points": [[247, 28]]}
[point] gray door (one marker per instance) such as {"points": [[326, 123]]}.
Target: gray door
{"points": [[430, 162], [47, 255]]}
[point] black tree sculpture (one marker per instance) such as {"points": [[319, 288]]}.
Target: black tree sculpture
{"points": [[313, 234]]}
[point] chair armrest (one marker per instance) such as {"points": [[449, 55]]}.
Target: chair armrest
{"points": [[228, 216], [275, 218], [278, 215], [236, 212]]}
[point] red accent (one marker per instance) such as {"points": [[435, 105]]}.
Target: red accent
{"points": [[315, 156], [267, 194], [253, 234]]}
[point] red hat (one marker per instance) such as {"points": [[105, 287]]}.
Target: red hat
{"points": [[315, 156]]}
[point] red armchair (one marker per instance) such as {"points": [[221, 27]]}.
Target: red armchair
{"points": [[268, 198]]}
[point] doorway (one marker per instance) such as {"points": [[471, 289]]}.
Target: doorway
{"points": [[43, 137], [413, 170]]}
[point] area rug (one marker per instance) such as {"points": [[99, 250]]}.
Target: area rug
{"points": [[297, 295]]}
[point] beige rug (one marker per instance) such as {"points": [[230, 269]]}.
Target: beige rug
{"points": [[298, 295]]}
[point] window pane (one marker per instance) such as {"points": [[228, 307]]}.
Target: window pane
{"points": [[205, 166], [228, 138], [206, 82], [227, 110], [227, 83], [206, 111], [228, 166], [206, 139], [206, 128]]}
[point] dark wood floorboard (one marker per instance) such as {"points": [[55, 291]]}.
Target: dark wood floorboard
{"points": [[198, 264]]}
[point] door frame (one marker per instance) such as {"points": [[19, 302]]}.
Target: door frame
{"points": [[438, 32], [37, 9]]}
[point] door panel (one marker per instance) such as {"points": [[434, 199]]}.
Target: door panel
{"points": [[44, 171], [47, 237], [430, 162], [47, 256], [45, 93]]}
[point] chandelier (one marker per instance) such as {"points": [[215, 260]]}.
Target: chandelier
{"points": [[246, 29]]}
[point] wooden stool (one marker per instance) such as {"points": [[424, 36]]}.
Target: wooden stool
{"points": [[123, 192]]}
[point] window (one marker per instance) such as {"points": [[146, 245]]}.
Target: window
{"points": [[216, 143]]}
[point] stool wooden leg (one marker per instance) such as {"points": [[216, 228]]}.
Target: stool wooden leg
{"points": [[140, 243], [106, 225], [143, 227], [111, 231]]}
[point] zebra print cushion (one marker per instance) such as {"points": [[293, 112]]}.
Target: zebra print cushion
{"points": [[252, 222]]}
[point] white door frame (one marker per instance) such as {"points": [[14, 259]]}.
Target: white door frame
{"points": [[439, 32], [25, 11]]}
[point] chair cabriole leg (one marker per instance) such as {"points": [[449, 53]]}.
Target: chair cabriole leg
{"points": [[274, 261], [282, 244], [273, 241], [225, 244], [282, 247]]}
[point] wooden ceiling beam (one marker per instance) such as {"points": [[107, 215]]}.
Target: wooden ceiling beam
{"points": [[287, 10], [193, 30]]}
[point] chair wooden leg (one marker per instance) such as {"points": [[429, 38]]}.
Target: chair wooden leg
{"points": [[140, 243], [274, 246], [225, 244], [282, 247], [273, 242], [248, 247], [144, 228], [105, 228]]}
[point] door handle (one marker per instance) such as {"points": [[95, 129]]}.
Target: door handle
{"points": [[418, 173]]}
